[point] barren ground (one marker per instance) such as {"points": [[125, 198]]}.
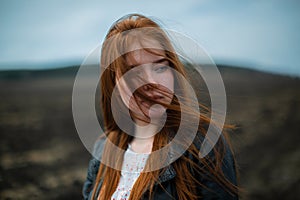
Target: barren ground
{"points": [[42, 157]]}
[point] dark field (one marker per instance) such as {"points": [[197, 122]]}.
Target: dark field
{"points": [[42, 156]]}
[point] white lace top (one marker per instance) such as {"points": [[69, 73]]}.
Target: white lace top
{"points": [[133, 164]]}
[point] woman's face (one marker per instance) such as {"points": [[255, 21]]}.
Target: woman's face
{"points": [[154, 80]]}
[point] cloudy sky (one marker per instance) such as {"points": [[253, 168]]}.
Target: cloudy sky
{"points": [[260, 34]]}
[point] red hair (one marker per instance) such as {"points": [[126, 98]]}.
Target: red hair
{"points": [[115, 45]]}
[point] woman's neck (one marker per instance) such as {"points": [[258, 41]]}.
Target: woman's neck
{"points": [[143, 138]]}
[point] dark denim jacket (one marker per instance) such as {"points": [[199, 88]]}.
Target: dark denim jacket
{"points": [[212, 190]]}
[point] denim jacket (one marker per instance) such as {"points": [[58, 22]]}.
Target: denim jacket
{"points": [[212, 190]]}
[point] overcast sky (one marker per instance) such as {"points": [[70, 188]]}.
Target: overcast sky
{"points": [[261, 34]]}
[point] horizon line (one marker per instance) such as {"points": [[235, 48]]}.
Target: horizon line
{"points": [[56, 65]]}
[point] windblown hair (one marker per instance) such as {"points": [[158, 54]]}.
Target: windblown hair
{"points": [[114, 52]]}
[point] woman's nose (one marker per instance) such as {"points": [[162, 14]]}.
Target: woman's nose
{"points": [[149, 77], [148, 80]]}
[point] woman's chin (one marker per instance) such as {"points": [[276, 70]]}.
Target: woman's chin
{"points": [[156, 111]]}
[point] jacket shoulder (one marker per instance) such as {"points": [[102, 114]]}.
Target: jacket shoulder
{"points": [[93, 168], [212, 189]]}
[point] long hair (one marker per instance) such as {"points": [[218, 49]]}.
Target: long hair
{"points": [[113, 63]]}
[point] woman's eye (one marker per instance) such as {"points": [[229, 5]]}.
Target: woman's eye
{"points": [[161, 69], [137, 72]]}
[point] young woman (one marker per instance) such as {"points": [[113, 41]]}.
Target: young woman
{"points": [[149, 150]]}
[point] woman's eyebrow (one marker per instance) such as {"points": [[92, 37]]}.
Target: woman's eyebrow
{"points": [[161, 60]]}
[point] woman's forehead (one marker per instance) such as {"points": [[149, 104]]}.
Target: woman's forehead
{"points": [[144, 56]]}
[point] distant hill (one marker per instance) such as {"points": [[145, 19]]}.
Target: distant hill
{"points": [[71, 71], [27, 73]]}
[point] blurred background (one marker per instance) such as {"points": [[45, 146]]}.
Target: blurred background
{"points": [[254, 43]]}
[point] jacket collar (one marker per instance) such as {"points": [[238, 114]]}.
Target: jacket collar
{"points": [[168, 174]]}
